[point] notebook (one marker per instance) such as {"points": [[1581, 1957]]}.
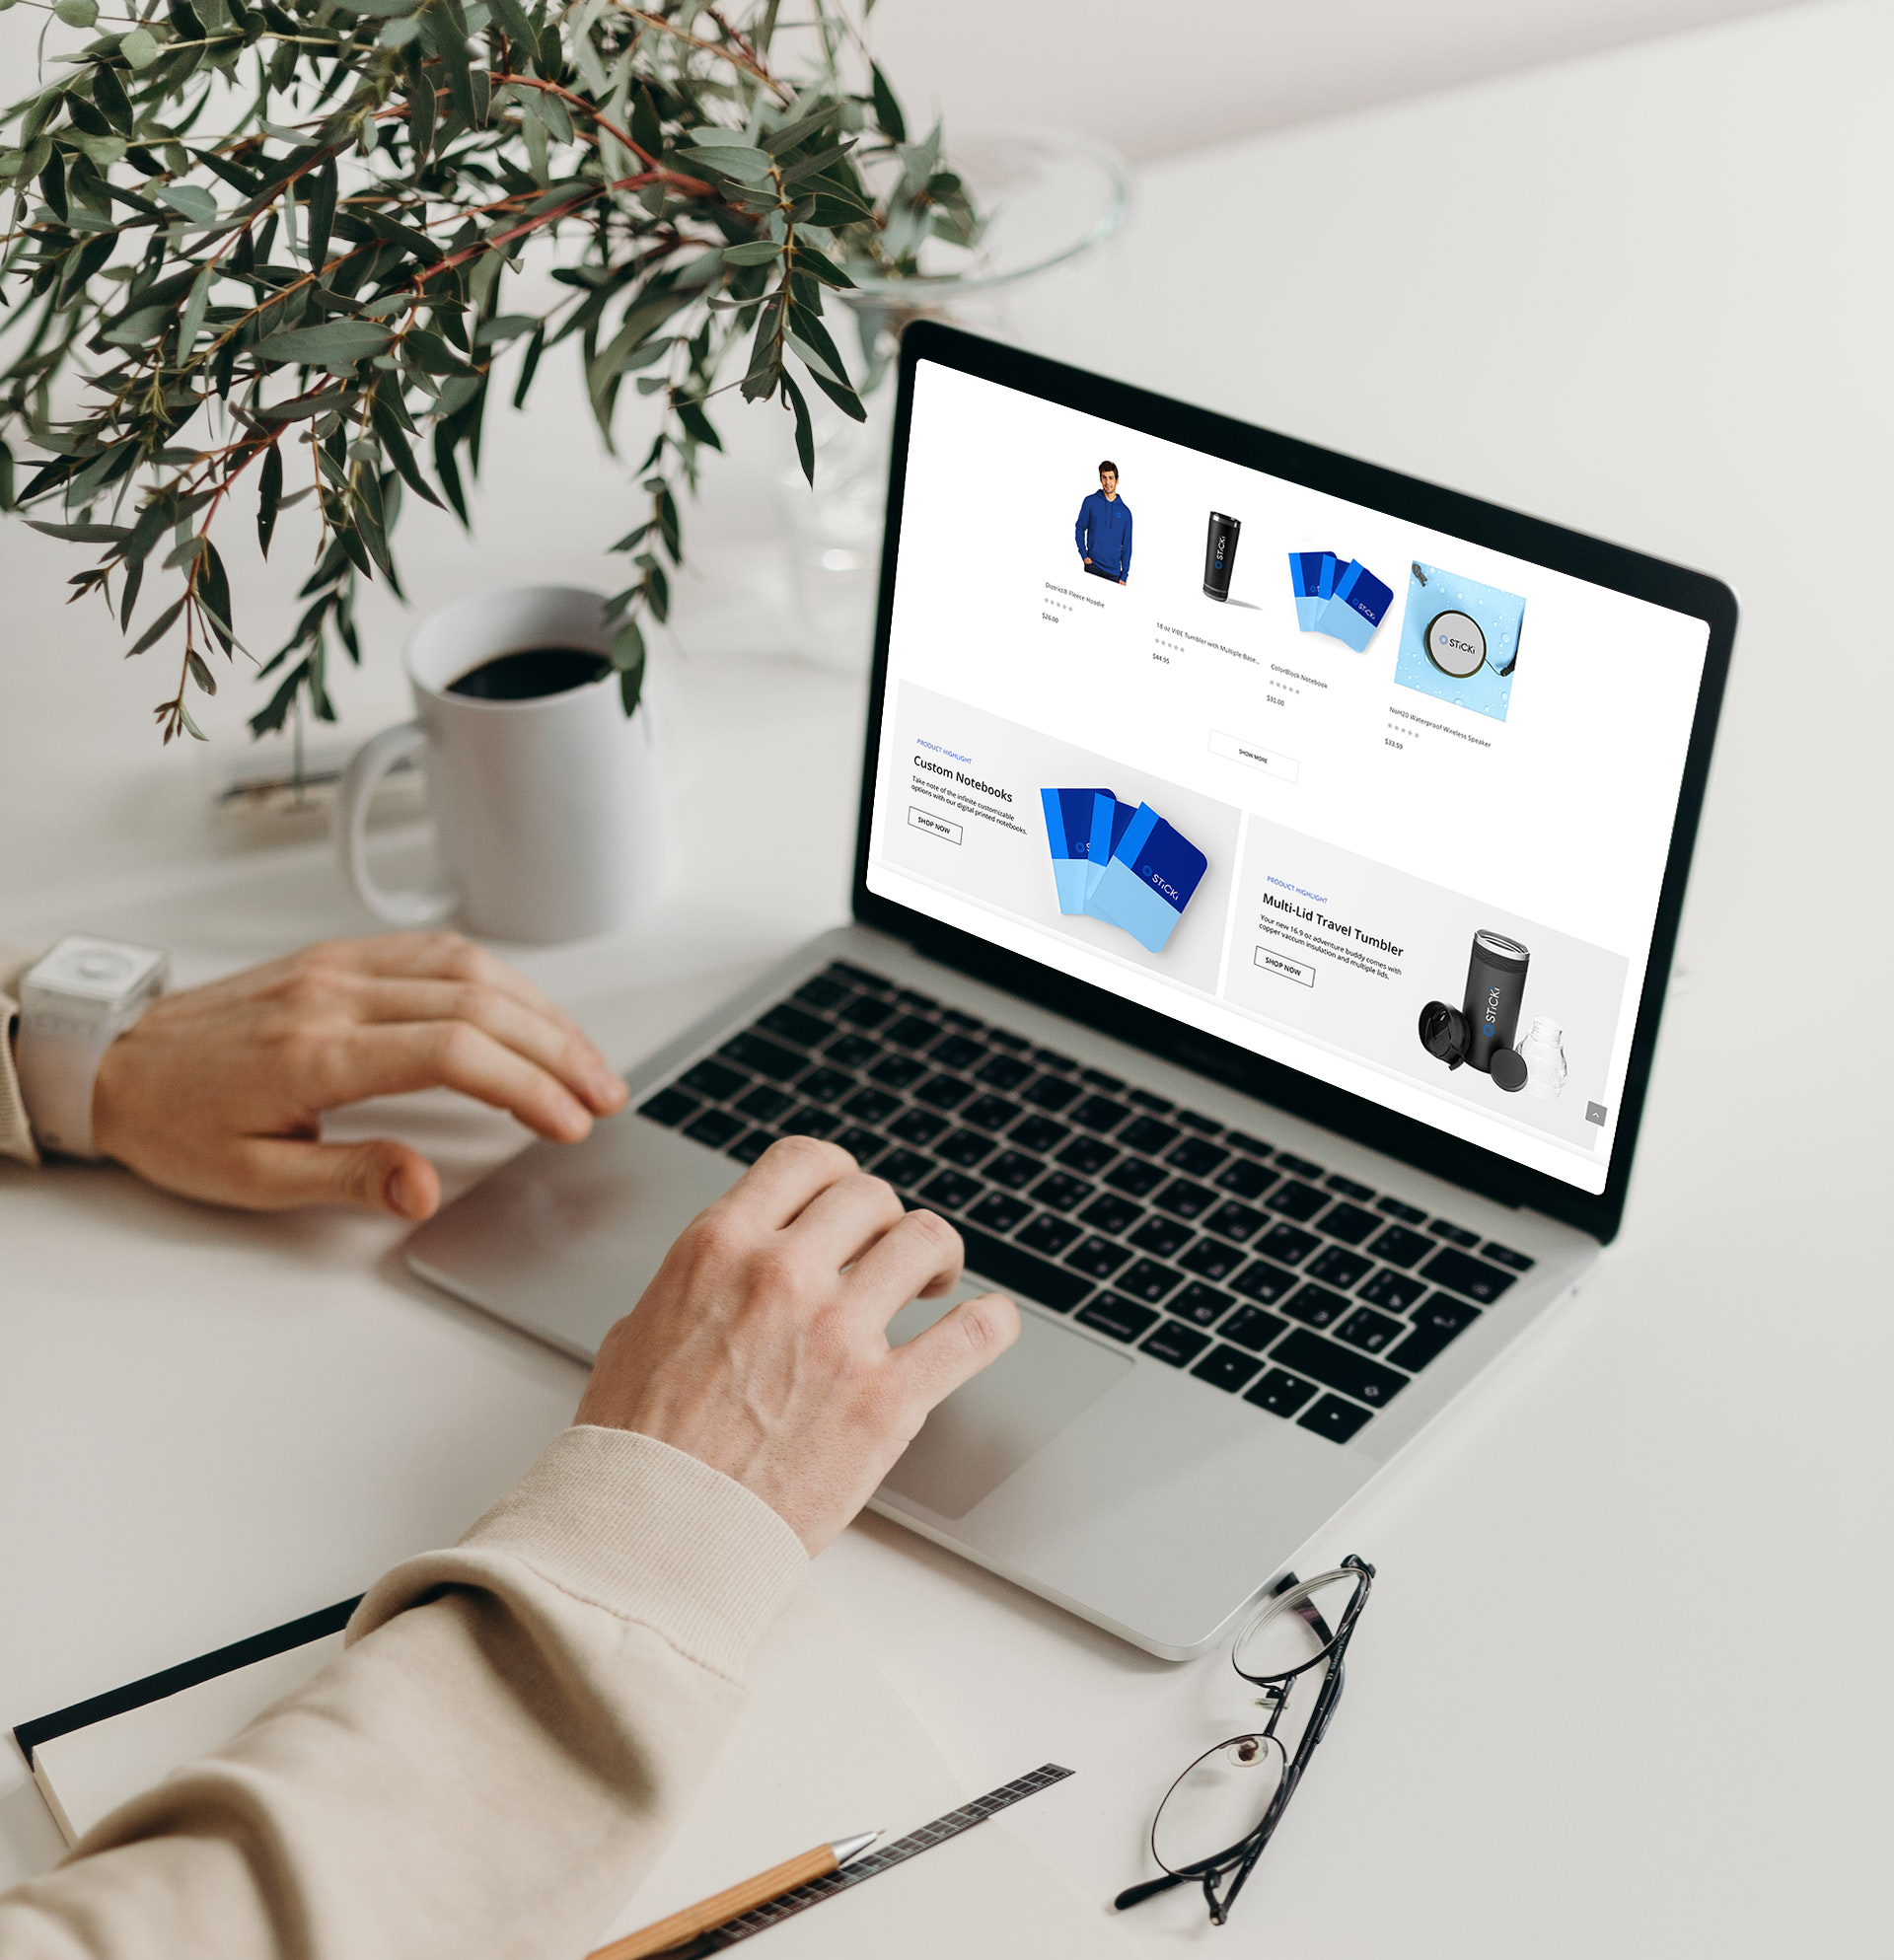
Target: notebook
{"points": [[826, 1748]]}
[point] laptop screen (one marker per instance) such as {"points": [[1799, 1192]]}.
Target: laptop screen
{"points": [[1378, 803]]}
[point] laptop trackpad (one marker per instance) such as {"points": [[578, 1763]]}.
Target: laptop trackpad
{"points": [[985, 1432]]}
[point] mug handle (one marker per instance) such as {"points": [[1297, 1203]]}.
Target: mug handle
{"points": [[366, 769]]}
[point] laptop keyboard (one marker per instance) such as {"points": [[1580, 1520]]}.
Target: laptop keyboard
{"points": [[1309, 1294]]}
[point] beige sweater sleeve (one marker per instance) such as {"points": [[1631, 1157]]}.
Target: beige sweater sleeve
{"points": [[16, 1133], [489, 1769]]}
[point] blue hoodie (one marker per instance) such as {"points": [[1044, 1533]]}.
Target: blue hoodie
{"points": [[1104, 533]]}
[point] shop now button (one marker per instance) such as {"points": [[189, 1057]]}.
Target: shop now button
{"points": [[1292, 969], [935, 827], [1272, 761]]}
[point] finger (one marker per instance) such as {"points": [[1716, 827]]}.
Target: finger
{"points": [[839, 1224], [919, 1258], [395, 1058], [783, 1181], [439, 956], [274, 1174], [554, 1044], [956, 1346]]}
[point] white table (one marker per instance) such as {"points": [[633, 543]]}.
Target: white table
{"points": [[1622, 1686]]}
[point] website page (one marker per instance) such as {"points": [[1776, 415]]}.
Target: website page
{"points": [[1359, 796]]}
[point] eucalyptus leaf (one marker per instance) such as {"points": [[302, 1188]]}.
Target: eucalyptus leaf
{"points": [[191, 202], [334, 341], [140, 48], [77, 13]]}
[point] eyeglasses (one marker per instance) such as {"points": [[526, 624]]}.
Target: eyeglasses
{"points": [[1215, 1819]]}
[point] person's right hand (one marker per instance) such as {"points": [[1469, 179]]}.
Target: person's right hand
{"points": [[760, 1347]]}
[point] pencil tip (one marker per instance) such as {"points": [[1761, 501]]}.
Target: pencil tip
{"points": [[845, 1849]]}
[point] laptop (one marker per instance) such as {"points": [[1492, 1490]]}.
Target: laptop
{"points": [[1258, 958]]}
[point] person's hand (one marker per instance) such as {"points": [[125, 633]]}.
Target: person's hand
{"points": [[1088, 561], [760, 1347], [219, 1092]]}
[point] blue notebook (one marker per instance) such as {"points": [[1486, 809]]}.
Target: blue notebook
{"points": [[1151, 877], [1068, 836], [1359, 604], [1111, 818]]}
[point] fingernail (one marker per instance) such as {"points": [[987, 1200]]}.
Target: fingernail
{"points": [[400, 1192]]}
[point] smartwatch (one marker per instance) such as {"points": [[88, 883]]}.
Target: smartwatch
{"points": [[73, 1005]]}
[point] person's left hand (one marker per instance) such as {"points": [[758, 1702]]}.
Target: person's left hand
{"points": [[219, 1092]]}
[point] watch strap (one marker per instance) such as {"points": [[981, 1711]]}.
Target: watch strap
{"points": [[16, 1133]]}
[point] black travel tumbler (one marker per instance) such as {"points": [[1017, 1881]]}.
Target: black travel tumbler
{"points": [[1496, 988], [1220, 555]]}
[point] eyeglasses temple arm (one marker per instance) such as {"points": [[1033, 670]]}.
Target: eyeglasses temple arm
{"points": [[1135, 1895]]}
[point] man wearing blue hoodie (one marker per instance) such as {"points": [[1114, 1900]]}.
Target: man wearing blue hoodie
{"points": [[1104, 528]]}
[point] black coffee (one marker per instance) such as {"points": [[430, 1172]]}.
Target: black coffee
{"points": [[534, 671]]}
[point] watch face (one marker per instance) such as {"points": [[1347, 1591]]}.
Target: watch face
{"points": [[103, 969]]}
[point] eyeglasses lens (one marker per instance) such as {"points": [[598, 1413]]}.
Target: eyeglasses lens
{"points": [[1284, 1636], [1218, 1803]]}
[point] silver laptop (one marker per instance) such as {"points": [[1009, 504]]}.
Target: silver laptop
{"points": [[1266, 880]]}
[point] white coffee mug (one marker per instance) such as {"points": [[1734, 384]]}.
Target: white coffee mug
{"points": [[547, 812]]}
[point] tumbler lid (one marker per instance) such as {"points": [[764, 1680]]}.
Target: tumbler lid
{"points": [[1507, 1069], [1443, 1033]]}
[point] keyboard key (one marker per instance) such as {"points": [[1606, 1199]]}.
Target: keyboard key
{"points": [[1337, 1266], [1005, 1071], [1087, 1155], [863, 1145], [1185, 1200], [898, 1071], [1301, 1166], [1098, 1258], [1212, 1259], [1401, 1247], [1161, 1237], [1108, 1212], [904, 1168], [1041, 1133], [943, 1092], [1246, 1178], [1148, 1281], [1134, 1177], [989, 1112], [922, 1003], [1099, 1113], [957, 1052], [1148, 1135], [1122, 1320], [1455, 1235], [1016, 1272], [1505, 1256], [1252, 1328], [998, 1211], [747, 1149], [810, 1120], [952, 1189], [669, 1107], [1264, 1283], [1408, 1215], [715, 1128], [1050, 1057], [1013, 1170], [917, 1127], [1335, 1419], [715, 1081], [852, 1051], [1300, 1202], [1197, 1157], [860, 976], [1315, 1306], [1255, 1146], [825, 1084], [1394, 1292], [1347, 1187], [1001, 1038], [1286, 1243], [1061, 1191], [1146, 1101], [795, 1023], [965, 1148], [1049, 1235], [1201, 1124], [765, 1104], [1339, 1368], [1471, 1276], [764, 1057], [1228, 1367], [1369, 1330], [1174, 1344], [1100, 1080], [871, 1105], [1441, 1320], [1235, 1222], [1202, 1305], [1050, 1092], [1280, 1392], [865, 1011], [1349, 1223], [822, 992], [963, 1022]]}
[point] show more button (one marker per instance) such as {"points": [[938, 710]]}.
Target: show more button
{"points": [[1285, 968], [935, 827], [1255, 755]]}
